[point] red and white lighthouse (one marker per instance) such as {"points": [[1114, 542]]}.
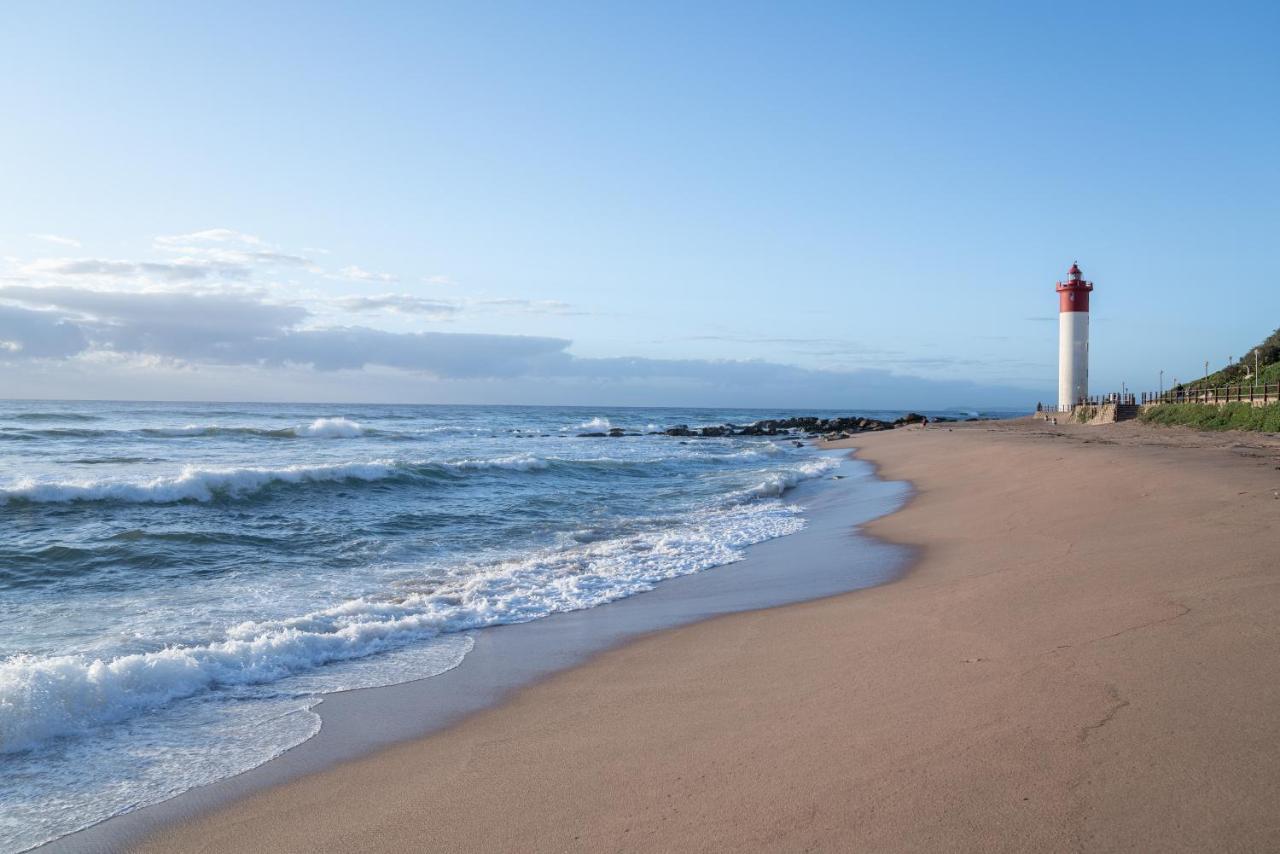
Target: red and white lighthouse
{"points": [[1073, 339]]}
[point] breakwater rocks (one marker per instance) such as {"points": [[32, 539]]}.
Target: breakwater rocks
{"points": [[810, 426]]}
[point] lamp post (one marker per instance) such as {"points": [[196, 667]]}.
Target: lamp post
{"points": [[1255, 367], [1162, 384]]}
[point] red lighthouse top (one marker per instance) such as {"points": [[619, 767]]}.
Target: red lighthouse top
{"points": [[1073, 294]]}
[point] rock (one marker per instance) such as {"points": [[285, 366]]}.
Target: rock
{"points": [[810, 426]]}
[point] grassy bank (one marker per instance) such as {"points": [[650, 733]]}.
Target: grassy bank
{"points": [[1203, 416], [1239, 373]]}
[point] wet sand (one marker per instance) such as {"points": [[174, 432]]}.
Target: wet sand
{"points": [[1086, 655]]}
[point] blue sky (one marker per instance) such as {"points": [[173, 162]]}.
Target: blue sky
{"points": [[743, 204]]}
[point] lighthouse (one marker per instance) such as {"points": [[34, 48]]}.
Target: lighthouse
{"points": [[1073, 338]]}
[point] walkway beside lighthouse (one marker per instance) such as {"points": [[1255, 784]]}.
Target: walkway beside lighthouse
{"points": [[1085, 656]]}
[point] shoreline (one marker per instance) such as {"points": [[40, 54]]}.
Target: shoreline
{"points": [[1083, 656], [507, 658]]}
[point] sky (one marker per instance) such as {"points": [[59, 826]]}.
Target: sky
{"points": [[804, 204]]}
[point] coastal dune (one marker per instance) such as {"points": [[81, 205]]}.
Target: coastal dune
{"points": [[1085, 655]]}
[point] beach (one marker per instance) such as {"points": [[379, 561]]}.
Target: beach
{"points": [[190, 591], [1083, 656]]}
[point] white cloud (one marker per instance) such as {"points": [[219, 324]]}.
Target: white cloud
{"points": [[58, 239], [529, 306], [228, 247], [182, 270], [400, 303], [209, 235], [353, 272]]}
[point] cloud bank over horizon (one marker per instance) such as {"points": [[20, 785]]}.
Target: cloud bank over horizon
{"points": [[213, 318]]}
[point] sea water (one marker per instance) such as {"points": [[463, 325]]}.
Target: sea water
{"points": [[179, 583]]}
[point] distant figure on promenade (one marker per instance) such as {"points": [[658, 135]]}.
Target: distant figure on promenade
{"points": [[924, 421]]}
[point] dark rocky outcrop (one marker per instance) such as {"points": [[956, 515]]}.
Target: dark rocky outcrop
{"points": [[810, 426]]}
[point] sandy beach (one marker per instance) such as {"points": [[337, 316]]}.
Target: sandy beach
{"points": [[1084, 656]]}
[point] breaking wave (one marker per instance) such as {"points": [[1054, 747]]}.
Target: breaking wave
{"points": [[321, 428], [331, 428], [778, 482], [208, 484], [192, 484], [45, 697], [197, 484]]}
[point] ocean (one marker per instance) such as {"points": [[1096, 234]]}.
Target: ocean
{"points": [[180, 583]]}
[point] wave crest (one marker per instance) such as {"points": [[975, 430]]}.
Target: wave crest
{"points": [[331, 428], [192, 484], [207, 484], [776, 483]]}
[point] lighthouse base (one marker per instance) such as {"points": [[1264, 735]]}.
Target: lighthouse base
{"points": [[1073, 358]]}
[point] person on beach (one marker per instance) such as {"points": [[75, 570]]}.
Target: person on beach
{"points": [[924, 421]]}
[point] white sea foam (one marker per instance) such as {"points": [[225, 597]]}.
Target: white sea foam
{"points": [[188, 430], [330, 428], [192, 484], [44, 697], [69, 784], [517, 462], [777, 482], [321, 428], [205, 484], [597, 423], [759, 452]]}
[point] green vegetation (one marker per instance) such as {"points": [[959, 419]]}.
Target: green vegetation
{"points": [[1204, 416], [1240, 373]]}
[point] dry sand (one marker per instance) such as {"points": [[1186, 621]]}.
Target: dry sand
{"points": [[1086, 656]]}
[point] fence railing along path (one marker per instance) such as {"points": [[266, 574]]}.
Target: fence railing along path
{"points": [[1258, 394], [1223, 394]]}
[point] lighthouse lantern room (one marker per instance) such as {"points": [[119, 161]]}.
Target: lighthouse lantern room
{"points": [[1073, 339]]}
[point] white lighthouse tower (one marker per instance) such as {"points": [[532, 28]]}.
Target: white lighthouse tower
{"points": [[1073, 339]]}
